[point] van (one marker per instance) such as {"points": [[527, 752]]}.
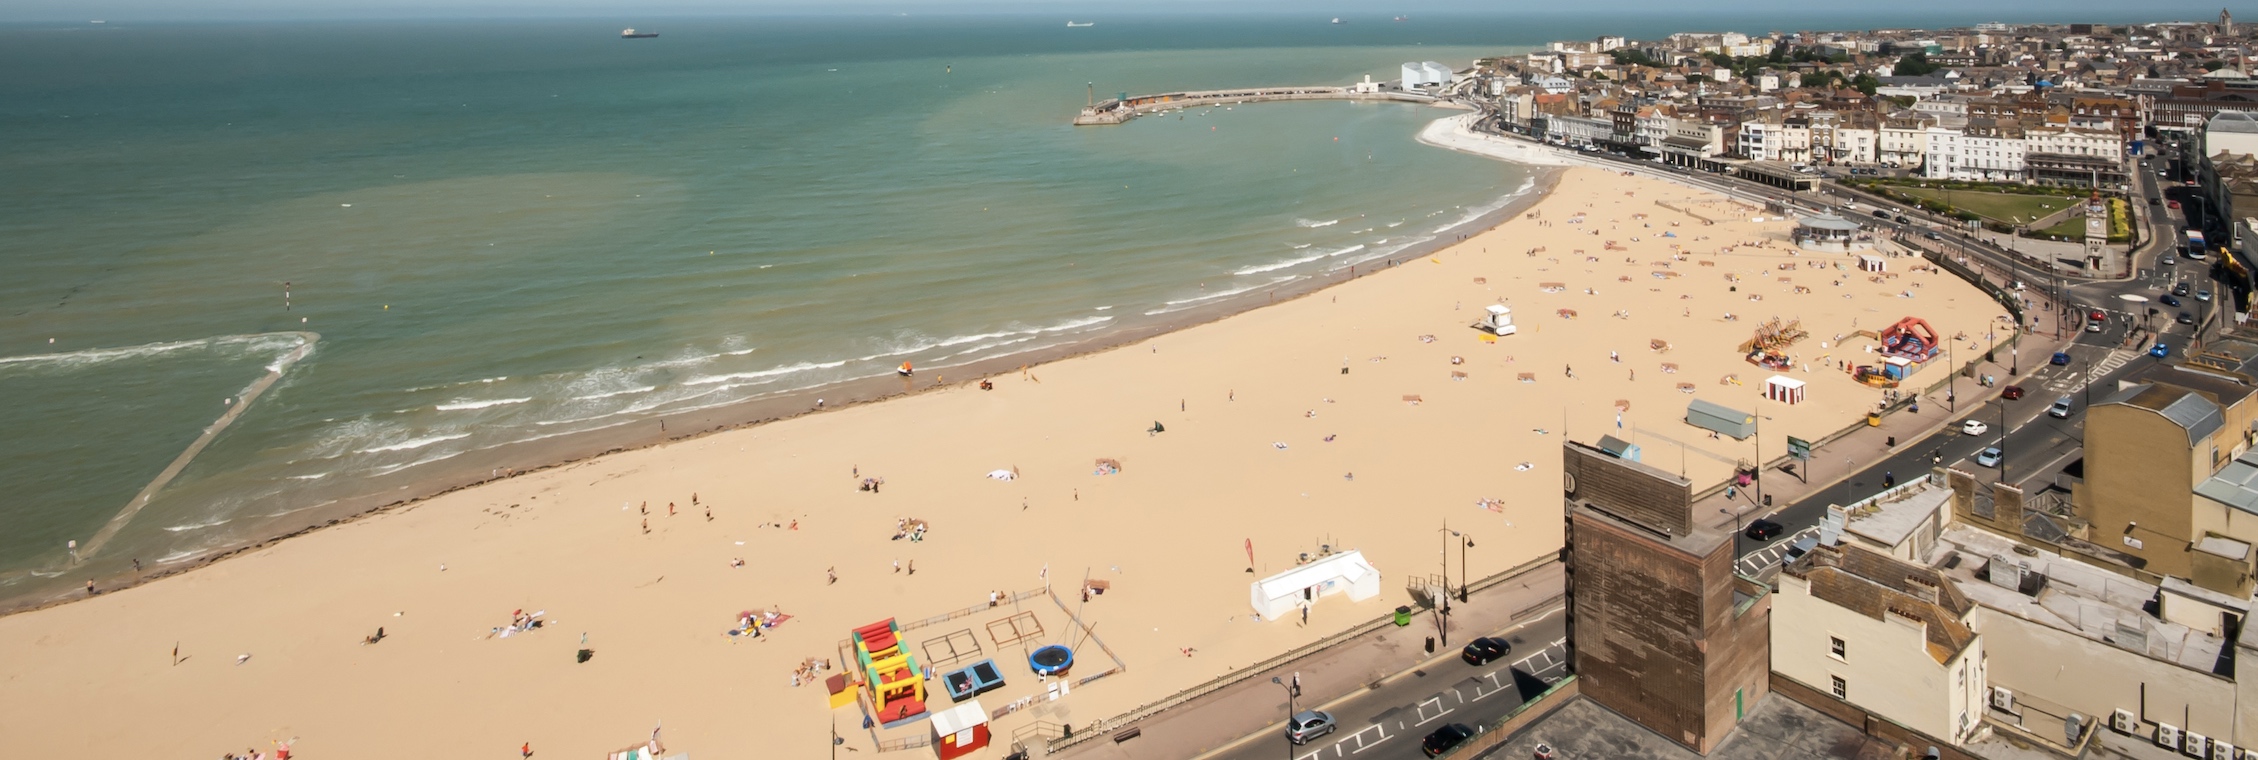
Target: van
{"points": [[2061, 408]]}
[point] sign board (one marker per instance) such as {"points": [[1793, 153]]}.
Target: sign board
{"points": [[1799, 448]]}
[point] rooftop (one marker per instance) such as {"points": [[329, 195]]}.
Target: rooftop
{"points": [[1889, 523], [2073, 597], [1876, 585], [1778, 727], [2184, 407], [2236, 485]]}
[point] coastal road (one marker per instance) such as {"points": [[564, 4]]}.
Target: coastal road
{"points": [[1387, 723]]}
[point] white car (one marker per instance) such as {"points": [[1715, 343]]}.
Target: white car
{"points": [[1974, 427]]}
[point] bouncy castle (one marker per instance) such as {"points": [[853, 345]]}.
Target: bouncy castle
{"points": [[896, 686], [1911, 338]]}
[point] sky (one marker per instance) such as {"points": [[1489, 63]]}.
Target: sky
{"points": [[277, 10]]}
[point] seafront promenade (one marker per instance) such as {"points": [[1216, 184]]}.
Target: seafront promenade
{"points": [[1121, 110]]}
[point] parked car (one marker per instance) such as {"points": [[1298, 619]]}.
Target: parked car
{"points": [[2013, 392], [2168, 299], [1974, 427], [1989, 457], [1309, 724], [2060, 359], [1764, 530], [2186, 318], [1485, 649], [2159, 350], [2061, 408], [1446, 738]]}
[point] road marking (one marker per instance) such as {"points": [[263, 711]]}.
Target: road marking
{"points": [[1438, 702]]}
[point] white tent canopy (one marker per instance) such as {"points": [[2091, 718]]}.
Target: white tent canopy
{"points": [[1345, 573]]}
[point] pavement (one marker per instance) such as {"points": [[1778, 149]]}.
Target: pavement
{"points": [[1388, 657]]}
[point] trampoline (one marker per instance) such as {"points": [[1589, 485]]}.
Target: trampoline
{"points": [[1052, 660]]}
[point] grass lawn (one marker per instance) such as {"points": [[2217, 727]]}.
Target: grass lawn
{"points": [[2000, 207]]}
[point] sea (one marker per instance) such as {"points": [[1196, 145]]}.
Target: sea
{"points": [[449, 239]]}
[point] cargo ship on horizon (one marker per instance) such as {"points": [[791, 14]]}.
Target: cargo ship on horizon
{"points": [[631, 34]]}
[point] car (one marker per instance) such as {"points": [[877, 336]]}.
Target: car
{"points": [[1989, 457], [1446, 738], [2013, 392], [2172, 205], [2168, 299], [1309, 724], [1974, 427], [2186, 318], [2159, 350], [2179, 289], [2061, 408], [1902, 220], [1883, 213], [2093, 327], [1482, 650], [2156, 201], [2167, 260], [1802, 546], [2203, 295], [2060, 359], [1932, 235], [2096, 315], [1763, 530]]}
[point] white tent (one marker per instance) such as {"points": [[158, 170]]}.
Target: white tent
{"points": [[1346, 573]]}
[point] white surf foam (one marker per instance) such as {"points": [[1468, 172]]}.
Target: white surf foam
{"points": [[460, 405], [415, 443], [1315, 223], [784, 370]]}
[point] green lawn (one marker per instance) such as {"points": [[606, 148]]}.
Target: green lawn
{"points": [[2000, 207]]}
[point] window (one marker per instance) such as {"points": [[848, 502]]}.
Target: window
{"points": [[1835, 647], [1842, 688]]}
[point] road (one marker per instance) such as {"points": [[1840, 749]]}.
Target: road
{"points": [[1387, 723]]}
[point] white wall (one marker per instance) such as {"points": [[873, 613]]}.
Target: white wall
{"points": [[2094, 678], [1886, 663]]}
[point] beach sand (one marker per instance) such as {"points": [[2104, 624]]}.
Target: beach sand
{"points": [[1168, 532]]}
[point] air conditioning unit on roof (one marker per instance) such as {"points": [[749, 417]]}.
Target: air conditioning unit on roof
{"points": [[2124, 722], [2223, 751], [2193, 744], [2002, 699], [2167, 735]]}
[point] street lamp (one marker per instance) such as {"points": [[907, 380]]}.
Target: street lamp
{"points": [[1289, 711], [1442, 609], [1464, 578]]}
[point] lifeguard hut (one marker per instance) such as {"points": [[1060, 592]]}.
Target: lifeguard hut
{"points": [[891, 677], [1499, 321]]}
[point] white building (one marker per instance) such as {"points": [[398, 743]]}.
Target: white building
{"points": [[1788, 141], [1854, 145], [1425, 74], [1954, 155], [2073, 141], [1554, 85], [1579, 130], [1886, 635], [1903, 141]]}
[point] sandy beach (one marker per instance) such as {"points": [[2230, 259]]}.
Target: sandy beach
{"points": [[1362, 416]]}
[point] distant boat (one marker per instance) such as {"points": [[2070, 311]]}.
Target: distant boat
{"points": [[631, 34], [1336, 20], [1403, 18], [1072, 25]]}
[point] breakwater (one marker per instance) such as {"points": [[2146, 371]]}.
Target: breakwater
{"points": [[1121, 110]]}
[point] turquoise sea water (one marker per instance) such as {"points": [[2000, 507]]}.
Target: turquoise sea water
{"points": [[512, 231]]}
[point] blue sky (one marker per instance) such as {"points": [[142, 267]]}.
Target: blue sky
{"points": [[180, 10]]}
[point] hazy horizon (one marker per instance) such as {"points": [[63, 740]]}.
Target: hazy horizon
{"points": [[1909, 12]]}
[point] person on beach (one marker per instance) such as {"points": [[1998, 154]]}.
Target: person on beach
{"points": [[90, 587], [831, 576], [646, 526], [670, 509], [897, 565]]}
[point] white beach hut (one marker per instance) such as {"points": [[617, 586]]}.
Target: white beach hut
{"points": [[1345, 573], [1499, 320], [1786, 390]]}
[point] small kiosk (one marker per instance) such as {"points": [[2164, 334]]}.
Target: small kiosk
{"points": [[1786, 390], [1499, 321], [960, 730], [1345, 573]]}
